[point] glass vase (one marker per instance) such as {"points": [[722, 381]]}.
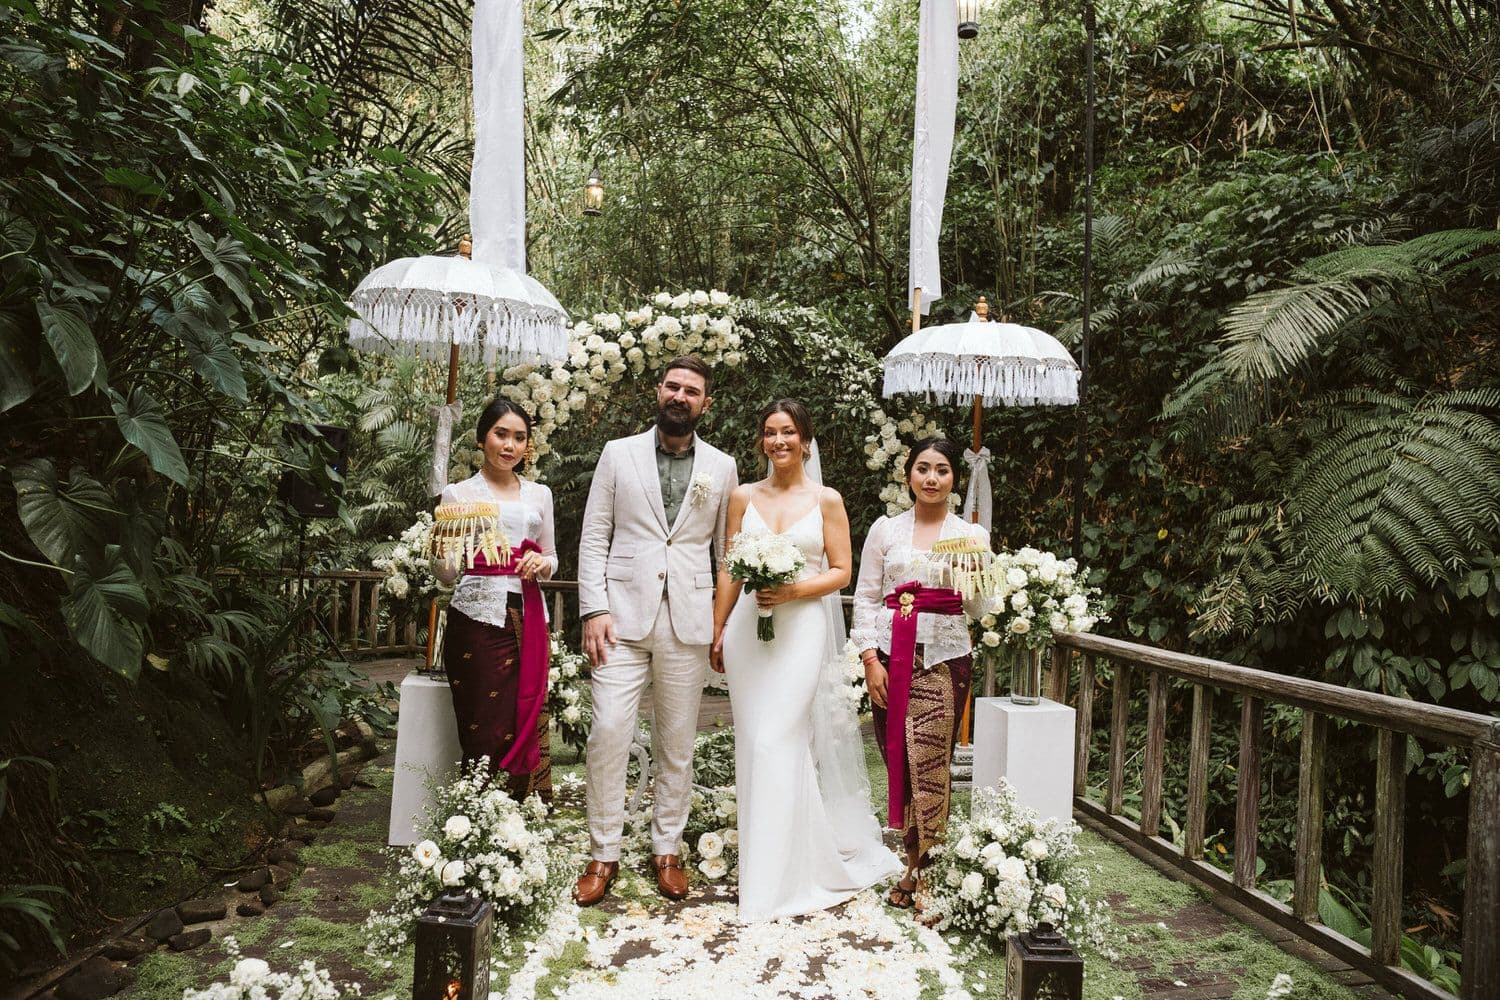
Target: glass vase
{"points": [[1026, 676]]}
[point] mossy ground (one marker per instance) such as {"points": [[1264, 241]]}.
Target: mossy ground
{"points": [[1167, 933]]}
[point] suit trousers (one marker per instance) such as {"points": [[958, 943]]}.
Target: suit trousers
{"points": [[675, 672]]}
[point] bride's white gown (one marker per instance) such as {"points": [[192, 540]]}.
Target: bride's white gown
{"points": [[798, 854]]}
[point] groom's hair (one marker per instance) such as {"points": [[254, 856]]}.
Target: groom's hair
{"points": [[691, 363]]}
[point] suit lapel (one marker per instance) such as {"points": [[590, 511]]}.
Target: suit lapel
{"points": [[645, 467], [687, 497]]}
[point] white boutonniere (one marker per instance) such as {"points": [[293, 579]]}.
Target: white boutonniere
{"points": [[700, 489]]}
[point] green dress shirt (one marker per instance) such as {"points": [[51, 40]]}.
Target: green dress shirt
{"points": [[676, 473]]}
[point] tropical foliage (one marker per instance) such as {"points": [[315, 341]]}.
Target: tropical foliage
{"points": [[1291, 437]]}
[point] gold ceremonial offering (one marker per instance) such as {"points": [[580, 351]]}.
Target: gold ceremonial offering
{"points": [[963, 564], [463, 531]]}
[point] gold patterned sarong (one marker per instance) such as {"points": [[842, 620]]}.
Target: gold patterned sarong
{"points": [[932, 715]]}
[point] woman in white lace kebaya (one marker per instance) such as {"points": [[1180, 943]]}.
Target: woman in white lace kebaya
{"points": [[808, 840], [496, 638], [941, 669]]}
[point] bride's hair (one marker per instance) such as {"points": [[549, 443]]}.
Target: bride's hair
{"points": [[948, 449], [801, 419]]}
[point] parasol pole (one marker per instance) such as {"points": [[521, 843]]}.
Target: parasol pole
{"points": [[465, 250]]}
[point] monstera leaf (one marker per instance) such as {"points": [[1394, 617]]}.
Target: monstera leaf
{"points": [[104, 610], [141, 421], [15, 379], [62, 520]]}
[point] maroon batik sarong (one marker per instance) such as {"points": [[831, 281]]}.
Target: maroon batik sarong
{"points": [[483, 663], [933, 713]]}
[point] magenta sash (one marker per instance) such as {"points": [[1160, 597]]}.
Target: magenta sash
{"points": [[536, 655], [907, 601]]}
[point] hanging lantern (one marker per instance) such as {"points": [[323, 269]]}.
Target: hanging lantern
{"points": [[593, 193], [1041, 964], [968, 19], [453, 948]]}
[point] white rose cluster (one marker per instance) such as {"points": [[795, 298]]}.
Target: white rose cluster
{"points": [[885, 448], [712, 833], [1001, 870], [567, 694], [603, 350], [253, 979], [405, 563], [1037, 596], [478, 838]]}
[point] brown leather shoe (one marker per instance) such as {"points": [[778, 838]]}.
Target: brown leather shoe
{"points": [[671, 880], [596, 880]]}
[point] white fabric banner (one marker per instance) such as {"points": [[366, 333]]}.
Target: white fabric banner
{"points": [[497, 181], [932, 142]]}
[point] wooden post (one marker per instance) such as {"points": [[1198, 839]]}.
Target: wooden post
{"points": [[411, 633], [374, 624], [1390, 826], [1247, 796], [1119, 719], [1156, 744], [1481, 968], [333, 623], [1200, 739], [1309, 862], [1062, 666], [432, 613], [354, 613], [1083, 726]]}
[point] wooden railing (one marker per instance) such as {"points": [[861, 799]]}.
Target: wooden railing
{"points": [[1393, 720]]}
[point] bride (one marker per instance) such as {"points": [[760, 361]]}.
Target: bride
{"points": [[808, 839]]}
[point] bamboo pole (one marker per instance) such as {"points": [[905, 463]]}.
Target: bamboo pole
{"points": [[465, 250]]}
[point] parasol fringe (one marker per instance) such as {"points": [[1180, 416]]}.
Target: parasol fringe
{"points": [[428, 324], [1013, 381]]}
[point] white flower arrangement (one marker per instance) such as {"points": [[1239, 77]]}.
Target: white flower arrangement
{"points": [[252, 979], [761, 561], [406, 563], [610, 346], [700, 489], [1002, 871], [854, 679], [1038, 596], [567, 694], [478, 838], [712, 833]]}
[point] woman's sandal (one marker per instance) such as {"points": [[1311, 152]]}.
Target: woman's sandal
{"points": [[903, 893]]}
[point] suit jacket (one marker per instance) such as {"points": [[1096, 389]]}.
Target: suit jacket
{"points": [[629, 556]]}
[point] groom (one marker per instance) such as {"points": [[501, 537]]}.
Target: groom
{"points": [[652, 527]]}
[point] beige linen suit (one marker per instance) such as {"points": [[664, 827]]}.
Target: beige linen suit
{"points": [[656, 580]]}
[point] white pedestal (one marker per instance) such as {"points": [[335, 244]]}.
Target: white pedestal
{"points": [[1032, 747], [427, 752]]}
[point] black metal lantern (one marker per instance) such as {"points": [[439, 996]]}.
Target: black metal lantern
{"points": [[593, 193], [453, 948], [968, 19], [1041, 964]]}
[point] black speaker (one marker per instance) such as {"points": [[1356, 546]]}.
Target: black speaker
{"points": [[306, 495]]}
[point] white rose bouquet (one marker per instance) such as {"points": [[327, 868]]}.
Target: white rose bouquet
{"points": [[1038, 596], [763, 561], [567, 694], [476, 837], [406, 563], [1002, 871]]}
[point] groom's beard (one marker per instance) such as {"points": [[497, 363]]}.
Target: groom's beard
{"points": [[676, 419]]}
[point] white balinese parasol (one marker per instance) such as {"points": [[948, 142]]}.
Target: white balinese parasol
{"points": [[487, 308], [990, 364]]}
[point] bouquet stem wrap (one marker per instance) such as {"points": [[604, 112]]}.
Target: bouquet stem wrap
{"points": [[536, 654], [907, 601]]}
